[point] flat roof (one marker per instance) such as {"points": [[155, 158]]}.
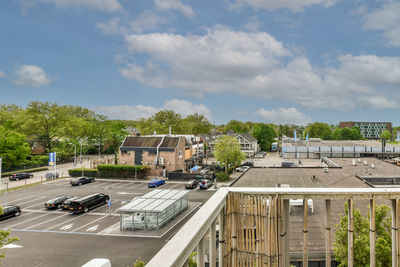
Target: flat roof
{"points": [[155, 201]]}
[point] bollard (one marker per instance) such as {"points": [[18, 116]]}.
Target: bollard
{"points": [[25, 181]]}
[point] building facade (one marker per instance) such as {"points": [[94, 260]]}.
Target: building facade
{"points": [[370, 130], [159, 153]]}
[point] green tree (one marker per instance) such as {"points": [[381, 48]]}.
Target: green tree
{"points": [[160, 123], [265, 135], [227, 151], [237, 127], [139, 263], [13, 148], [386, 135], [196, 124], [319, 130], [361, 238]]}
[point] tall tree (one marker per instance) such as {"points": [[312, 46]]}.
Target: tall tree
{"points": [[386, 135], [227, 151], [196, 124], [361, 238], [237, 127], [13, 148], [265, 135], [160, 123], [319, 130]]}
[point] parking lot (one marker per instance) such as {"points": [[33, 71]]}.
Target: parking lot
{"points": [[102, 221]]}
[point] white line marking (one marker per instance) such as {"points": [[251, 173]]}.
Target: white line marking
{"points": [[20, 199], [37, 204], [93, 228], [88, 223], [109, 229], [16, 217], [32, 226], [178, 185], [66, 227], [30, 219], [54, 226], [23, 203]]}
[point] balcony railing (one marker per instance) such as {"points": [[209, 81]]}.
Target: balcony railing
{"points": [[254, 226]]}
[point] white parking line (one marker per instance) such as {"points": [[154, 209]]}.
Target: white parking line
{"points": [[22, 215], [109, 229], [19, 199], [23, 203], [134, 186], [30, 219], [178, 185], [54, 226], [36, 204], [88, 223], [32, 226]]}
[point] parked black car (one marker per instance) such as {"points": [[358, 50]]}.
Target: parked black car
{"points": [[10, 211], [19, 176], [205, 184], [82, 180], [192, 184], [56, 203], [84, 204], [66, 203]]}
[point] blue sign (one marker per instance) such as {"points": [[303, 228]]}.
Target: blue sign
{"points": [[109, 203], [307, 137], [294, 135], [52, 158]]}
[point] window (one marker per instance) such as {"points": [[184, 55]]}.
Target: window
{"points": [[180, 154]]}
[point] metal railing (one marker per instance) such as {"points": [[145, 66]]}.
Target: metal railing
{"points": [[266, 225]]}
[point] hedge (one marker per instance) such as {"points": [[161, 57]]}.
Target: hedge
{"points": [[122, 171], [86, 172], [26, 170]]}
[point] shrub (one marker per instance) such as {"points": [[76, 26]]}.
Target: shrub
{"points": [[221, 176], [122, 171], [139, 263], [86, 172]]}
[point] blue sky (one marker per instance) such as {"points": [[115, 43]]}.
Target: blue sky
{"points": [[259, 60]]}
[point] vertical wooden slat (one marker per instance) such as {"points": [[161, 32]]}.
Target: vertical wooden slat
{"points": [[286, 241], [305, 233], [350, 229], [269, 232], [372, 233], [327, 232], [221, 238], [398, 232], [212, 245], [200, 253], [394, 231]]}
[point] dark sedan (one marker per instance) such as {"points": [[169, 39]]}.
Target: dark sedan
{"points": [[82, 180], [65, 205], [205, 184], [56, 203], [10, 211], [19, 176], [192, 184]]}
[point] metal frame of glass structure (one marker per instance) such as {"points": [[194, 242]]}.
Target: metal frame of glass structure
{"points": [[153, 210]]}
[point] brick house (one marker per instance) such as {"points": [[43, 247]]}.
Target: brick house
{"points": [[157, 152]]}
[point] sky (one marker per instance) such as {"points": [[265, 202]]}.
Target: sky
{"points": [[286, 61]]}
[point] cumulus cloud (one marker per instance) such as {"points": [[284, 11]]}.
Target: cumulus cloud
{"points": [[144, 22], [387, 20], [127, 112], [295, 6], [256, 64], [186, 10], [108, 6], [31, 76], [2, 74], [283, 116]]}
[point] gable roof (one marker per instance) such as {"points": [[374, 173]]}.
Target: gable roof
{"points": [[248, 137], [150, 142]]}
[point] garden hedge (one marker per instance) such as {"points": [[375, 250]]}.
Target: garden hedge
{"points": [[86, 172], [4, 174], [122, 171]]}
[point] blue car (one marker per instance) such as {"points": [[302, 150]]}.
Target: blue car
{"points": [[156, 182]]}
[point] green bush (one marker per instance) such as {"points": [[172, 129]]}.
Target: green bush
{"points": [[221, 176], [86, 172], [122, 171], [26, 170], [139, 263]]}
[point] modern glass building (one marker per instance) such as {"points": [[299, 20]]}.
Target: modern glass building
{"points": [[153, 210], [370, 130]]}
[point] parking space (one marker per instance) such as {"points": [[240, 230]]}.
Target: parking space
{"points": [[103, 220]]}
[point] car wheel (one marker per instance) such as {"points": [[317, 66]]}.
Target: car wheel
{"points": [[16, 179], [85, 210], [58, 206], [80, 183], [17, 213]]}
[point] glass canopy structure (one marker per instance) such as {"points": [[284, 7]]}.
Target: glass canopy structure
{"points": [[152, 210]]}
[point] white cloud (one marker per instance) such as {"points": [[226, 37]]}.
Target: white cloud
{"points": [[284, 116], [387, 20], [295, 6], [108, 6], [253, 25], [112, 27], [186, 10], [257, 65], [31, 76], [127, 112], [2, 74], [186, 108]]}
